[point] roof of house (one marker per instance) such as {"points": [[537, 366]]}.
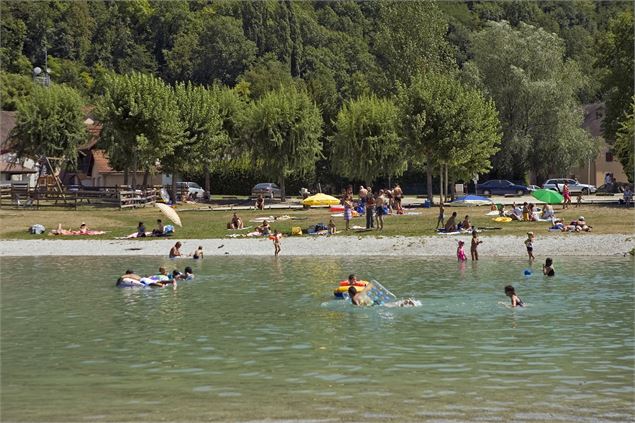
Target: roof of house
{"points": [[101, 164], [14, 168]]}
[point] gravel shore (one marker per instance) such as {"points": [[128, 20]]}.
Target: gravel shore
{"points": [[575, 244]]}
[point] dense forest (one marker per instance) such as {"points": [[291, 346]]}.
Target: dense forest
{"points": [[336, 91]]}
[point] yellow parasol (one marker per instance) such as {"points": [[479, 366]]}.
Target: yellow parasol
{"points": [[170, 213], [320, 200]]}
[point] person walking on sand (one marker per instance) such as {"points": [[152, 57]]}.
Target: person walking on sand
{"points": [[567, 196], [529, 243], [276, 242], [474, 245], [175, 251]]}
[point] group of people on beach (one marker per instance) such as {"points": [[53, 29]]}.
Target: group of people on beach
{"points": [[374, 205]]}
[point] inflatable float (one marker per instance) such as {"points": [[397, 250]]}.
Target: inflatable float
{"points": [[342, 290], [155, 281]]}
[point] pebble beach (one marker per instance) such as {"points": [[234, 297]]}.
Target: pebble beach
{"points": [[572, 244]]}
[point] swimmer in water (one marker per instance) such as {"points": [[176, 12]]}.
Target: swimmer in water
{"points": [[547, 268], [354, 296], [511, 293]]}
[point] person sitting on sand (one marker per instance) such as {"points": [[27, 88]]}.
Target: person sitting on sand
{"points": [[450, 225], [582, 226], [141, 230], [260, 202], [332, 227], [175, 251], [264, 228], [236, 222], [159, 229], [466, 225], [511, 293]]}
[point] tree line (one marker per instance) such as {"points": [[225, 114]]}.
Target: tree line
{"points": [[355, 90]]}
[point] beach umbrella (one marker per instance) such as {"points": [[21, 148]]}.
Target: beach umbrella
{"points": [[547, 196], [170, 213], [320, 200], [471, 200]]}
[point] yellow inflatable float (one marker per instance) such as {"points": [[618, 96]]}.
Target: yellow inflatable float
{"points": [[502, 219]]}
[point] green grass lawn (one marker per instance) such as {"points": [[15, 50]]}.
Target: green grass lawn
{"points": [[212, 224]]}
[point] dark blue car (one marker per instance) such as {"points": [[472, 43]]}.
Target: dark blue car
{"points": [[501, 187]]}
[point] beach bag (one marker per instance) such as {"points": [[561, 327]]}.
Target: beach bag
{"points": [[296, 230], [168, 229], [37, 229]]}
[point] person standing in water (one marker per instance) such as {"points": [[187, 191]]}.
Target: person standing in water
{"points": [[547, 268], [529, 243], [175, 251], [474, 245], [276, 242]]}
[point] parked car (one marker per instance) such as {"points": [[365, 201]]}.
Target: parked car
{"points": [[267, 189], [192, 188], [500, 187], [574, 186]]}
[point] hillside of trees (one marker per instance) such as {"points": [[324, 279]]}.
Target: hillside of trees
{"points": [[335, 92]]}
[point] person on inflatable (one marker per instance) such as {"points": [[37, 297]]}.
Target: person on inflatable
{"points": [[354, 295]]}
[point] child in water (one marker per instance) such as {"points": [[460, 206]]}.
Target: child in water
{"points": [[276, 242], [354, 296], [474, 245], [547, 268], [460, 252], [529, 243], [511, 293], [198, 254]]}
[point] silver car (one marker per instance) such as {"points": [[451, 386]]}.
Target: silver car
{"points": [[192, 188], [267, 190], [574, 186]]}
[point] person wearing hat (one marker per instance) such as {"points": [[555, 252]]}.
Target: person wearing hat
{"points": [[460, 252], [529, 243], [83, 229]]}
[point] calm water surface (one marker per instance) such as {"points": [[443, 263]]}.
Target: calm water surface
{"points": [[256, 339]]}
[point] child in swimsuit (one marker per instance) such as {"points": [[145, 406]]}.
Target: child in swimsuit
{"points": [[198, 254], [529, 243], [474, 245], [460, 252], [511, 293]]}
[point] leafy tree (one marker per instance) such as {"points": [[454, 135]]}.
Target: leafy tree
{"points": [[49, 123], [615, 54], [448, 124], [140, 122], [535, 90], [367, 144], [214, 49], [13, 89], [624, 146], [402, 51], [282, 132], [267, 74]]}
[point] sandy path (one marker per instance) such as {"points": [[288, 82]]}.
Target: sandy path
{"points": [[509, 246]]}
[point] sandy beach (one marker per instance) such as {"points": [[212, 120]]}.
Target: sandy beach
{"points": [[574, 244]]}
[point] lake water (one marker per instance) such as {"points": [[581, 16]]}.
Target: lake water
{"points": [[255, 339]]}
